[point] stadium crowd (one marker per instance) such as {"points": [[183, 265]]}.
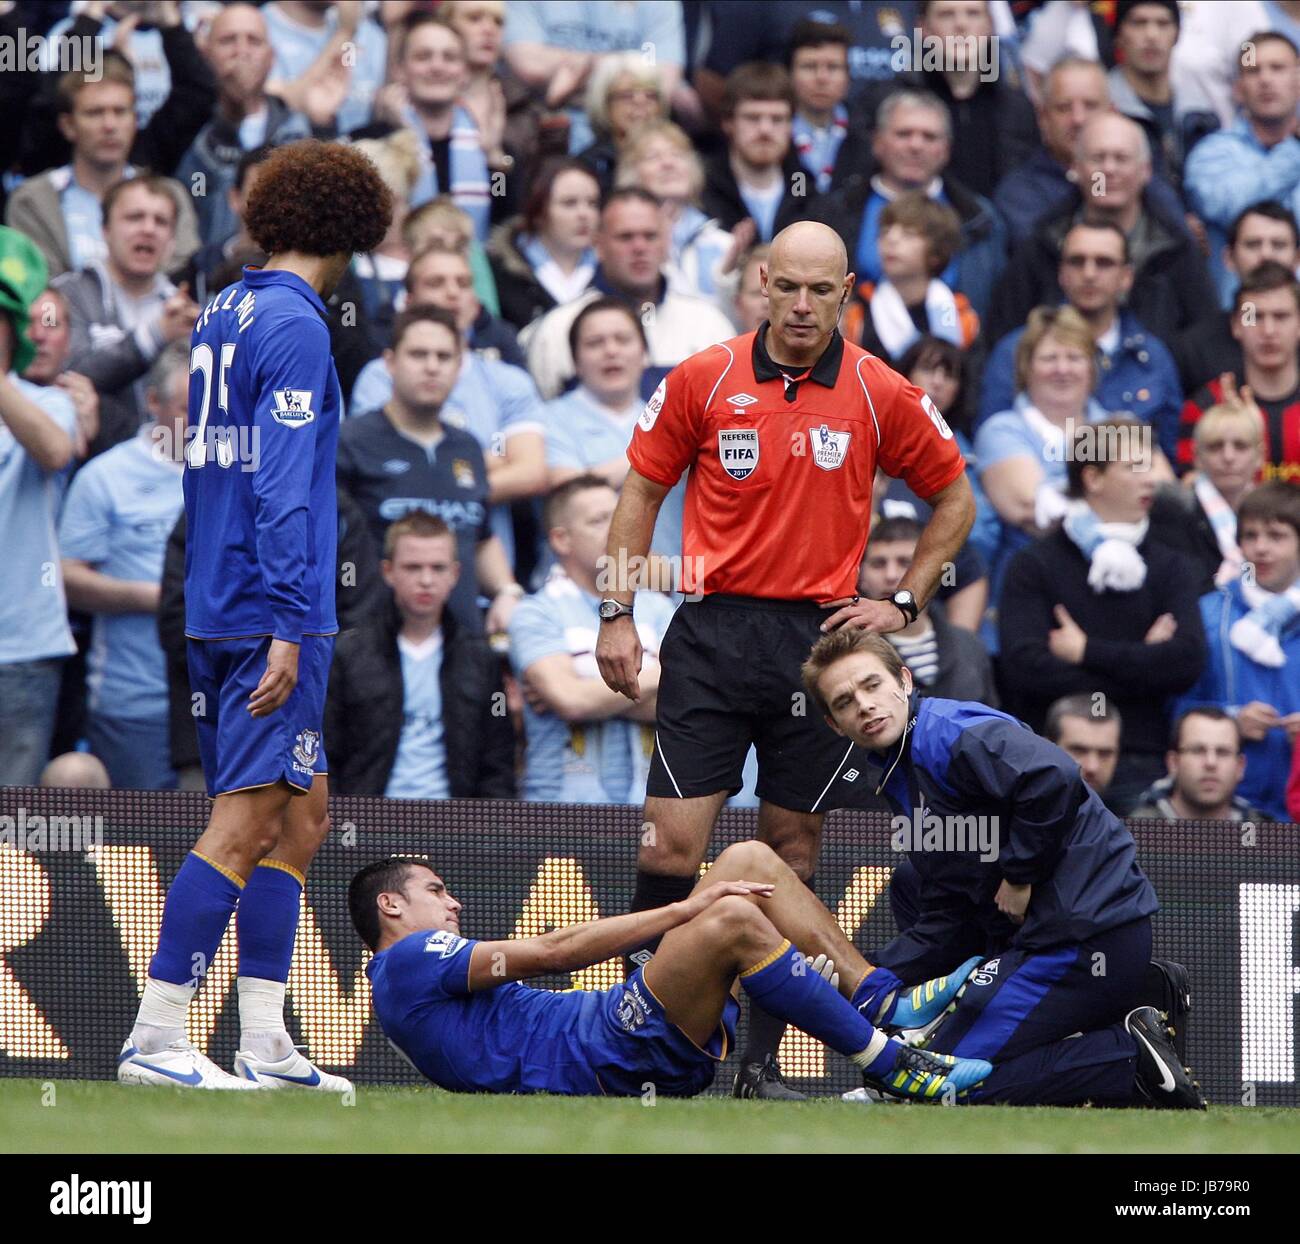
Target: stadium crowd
{"points": [[1073, 226]]}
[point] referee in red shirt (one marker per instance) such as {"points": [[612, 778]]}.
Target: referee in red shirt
{"points": [[782, 430]]}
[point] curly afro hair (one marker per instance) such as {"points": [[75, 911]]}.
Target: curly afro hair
{"points": [[318, 198]]}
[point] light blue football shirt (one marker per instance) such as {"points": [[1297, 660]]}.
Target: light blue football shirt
{"points": [[120, 510], [581, 762], [420, 770], [581, 434], [83, 221], [33, 611], [297, 47]]}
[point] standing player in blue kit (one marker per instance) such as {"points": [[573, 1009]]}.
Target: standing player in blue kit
{"points": [[262, 520]]}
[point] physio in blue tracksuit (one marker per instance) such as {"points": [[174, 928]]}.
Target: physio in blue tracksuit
{"points": [[1015, 859]]}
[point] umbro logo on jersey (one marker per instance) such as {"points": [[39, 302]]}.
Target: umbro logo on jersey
{"points": [[396, 466], [851, 775], [742, 399]]}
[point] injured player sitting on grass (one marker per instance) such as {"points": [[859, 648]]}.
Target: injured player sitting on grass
{"points": [[454, 1008]]}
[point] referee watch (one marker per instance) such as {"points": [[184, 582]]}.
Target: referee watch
{"points": [[906, 603], [611, 609]]}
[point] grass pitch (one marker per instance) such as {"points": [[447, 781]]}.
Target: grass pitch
{"points": [[78, 1116]]}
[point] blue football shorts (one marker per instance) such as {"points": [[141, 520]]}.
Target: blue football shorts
{"points": [[641, 1046], [240, 751]]}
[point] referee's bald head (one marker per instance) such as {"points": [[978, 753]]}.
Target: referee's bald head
{"points": [[807, 281], [806, 244]]}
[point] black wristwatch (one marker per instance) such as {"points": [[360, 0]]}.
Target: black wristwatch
{"points": [[611, 609], [907, 603]]}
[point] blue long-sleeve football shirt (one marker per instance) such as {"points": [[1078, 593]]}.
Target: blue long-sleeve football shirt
{"points": [[259, 467]]}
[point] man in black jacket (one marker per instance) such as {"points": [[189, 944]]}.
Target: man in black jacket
{"points": [[832, 141], [758, 177], [993, 122], [1099, 607], [1171, 284], [416, 708]]}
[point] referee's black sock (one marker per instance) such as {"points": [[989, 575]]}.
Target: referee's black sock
{"points": [[764, 1032], [653, 890]]}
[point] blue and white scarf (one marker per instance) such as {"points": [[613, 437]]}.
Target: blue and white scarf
{"points": [[550, 276], [468, 168], [1223, 522], [1259, 633], [1111, 548], [893, 322], [698, 247]]}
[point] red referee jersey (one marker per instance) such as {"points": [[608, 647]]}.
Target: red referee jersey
{"points": [[778, 502]]}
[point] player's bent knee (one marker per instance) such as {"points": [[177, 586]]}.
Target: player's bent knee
{"points": [[250, 842], [737, 917], [752, 861]]}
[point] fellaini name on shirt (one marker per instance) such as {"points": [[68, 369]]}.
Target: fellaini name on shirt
{"points": [[244, 309]]}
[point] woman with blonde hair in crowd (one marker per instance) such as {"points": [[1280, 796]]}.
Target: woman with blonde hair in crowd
{"points": [[1199, 519], [381, 272], [1022, 451], [624, 93], [702, 255]]}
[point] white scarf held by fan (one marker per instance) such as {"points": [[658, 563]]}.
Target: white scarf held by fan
{"points": [[893, 322], [1112, 548], [1259, 633]]}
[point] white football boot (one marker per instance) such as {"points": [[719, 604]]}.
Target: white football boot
{"points": [[295, 1071], [178, 1065]]}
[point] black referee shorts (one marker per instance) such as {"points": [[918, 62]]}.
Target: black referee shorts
{"points": [[729, 679]]}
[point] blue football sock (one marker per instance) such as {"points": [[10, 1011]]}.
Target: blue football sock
{"points": [[267, 921], [873, 990], [783, 984], [198, 908]]}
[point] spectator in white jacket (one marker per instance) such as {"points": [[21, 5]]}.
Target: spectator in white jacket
{"points": [[632, 249]]}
